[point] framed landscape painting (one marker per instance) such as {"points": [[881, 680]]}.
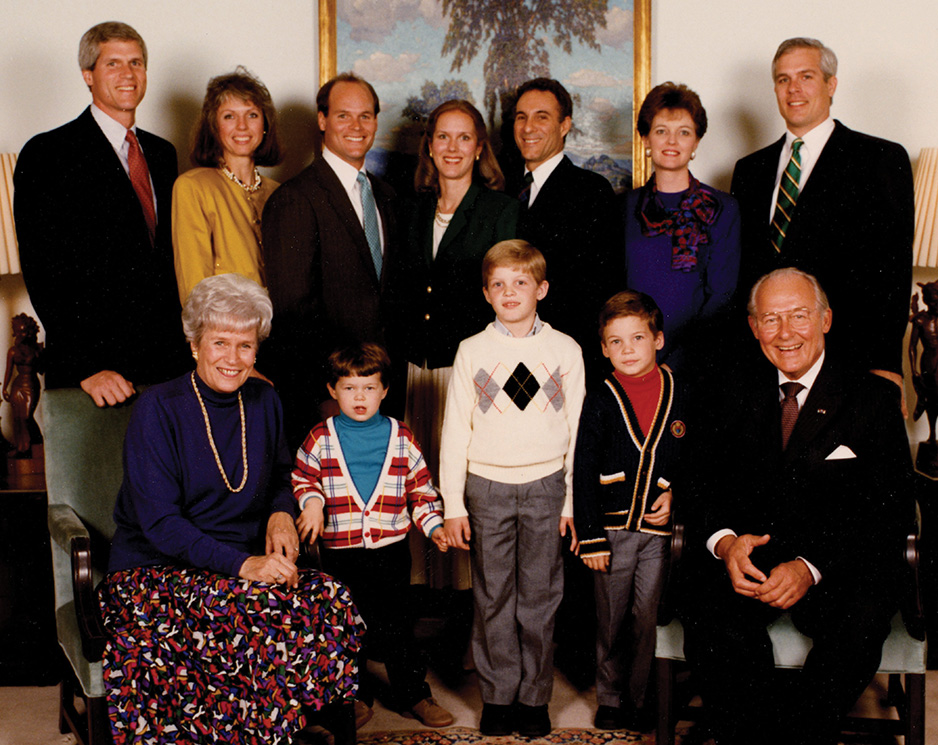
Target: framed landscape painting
{"points": [[419, 53]]}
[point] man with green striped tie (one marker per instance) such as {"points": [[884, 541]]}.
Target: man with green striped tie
{"points": [[835, 203]]}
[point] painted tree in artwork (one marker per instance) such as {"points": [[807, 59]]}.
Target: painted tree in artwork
{"points": [[515, 33], [418, 108]]}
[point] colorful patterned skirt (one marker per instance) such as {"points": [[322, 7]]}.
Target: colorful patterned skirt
{"points": [[196, 657]]}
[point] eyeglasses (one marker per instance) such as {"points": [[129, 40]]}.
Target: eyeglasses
{"points": [[799, 319]]}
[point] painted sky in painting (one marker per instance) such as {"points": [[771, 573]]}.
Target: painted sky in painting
{"points": [[396, 45]]}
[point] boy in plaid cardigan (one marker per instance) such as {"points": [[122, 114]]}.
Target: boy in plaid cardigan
{"points": [[361, 481]]}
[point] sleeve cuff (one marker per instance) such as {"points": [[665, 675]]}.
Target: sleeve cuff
{"points": [[811, 568], [713, 540]]}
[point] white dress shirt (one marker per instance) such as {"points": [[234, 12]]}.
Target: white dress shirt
{"points": [[116, 134], [348, 177], [541, 174], [814, 142], [807, 380]]}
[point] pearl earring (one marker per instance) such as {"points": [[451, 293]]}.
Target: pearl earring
{"points": [[693, 155], [647, 152]]}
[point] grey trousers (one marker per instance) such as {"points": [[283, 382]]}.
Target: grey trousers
{"points": [[625, 646], [517, 585]]}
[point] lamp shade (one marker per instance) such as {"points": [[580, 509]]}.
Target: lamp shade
{"points": [[925, 243], [9, 255]]}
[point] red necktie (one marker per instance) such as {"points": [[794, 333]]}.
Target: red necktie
{"points": [[140, 178], [789, 410]]}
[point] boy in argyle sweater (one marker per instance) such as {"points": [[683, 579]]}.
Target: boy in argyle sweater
{"points": [[361, 482], [627, 457], [506, 475]]}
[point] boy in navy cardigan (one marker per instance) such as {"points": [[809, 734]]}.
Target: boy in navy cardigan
{"points": [[627, 456], [361, 482]]}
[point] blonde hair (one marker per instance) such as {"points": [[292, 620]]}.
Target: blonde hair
{"points": [[517, 254]]}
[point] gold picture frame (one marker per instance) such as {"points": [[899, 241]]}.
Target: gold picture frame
{"points": [[641, 70]]}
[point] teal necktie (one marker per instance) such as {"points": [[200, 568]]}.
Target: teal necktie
{"points": [[787, 196], [370, 213]]}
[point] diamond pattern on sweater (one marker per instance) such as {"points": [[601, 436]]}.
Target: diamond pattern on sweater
{"points": [[522, 387]]}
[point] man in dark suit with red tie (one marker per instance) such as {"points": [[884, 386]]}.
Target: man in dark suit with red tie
{"points": [[328, 245], [92, 206], [851, 220], [803, 500]]}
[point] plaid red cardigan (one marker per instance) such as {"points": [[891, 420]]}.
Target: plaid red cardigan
{"points": [[404, 494]]}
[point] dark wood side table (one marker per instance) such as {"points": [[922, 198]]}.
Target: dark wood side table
{"points": [[29, 651]]}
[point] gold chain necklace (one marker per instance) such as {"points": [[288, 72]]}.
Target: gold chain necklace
{"points": [[211, 439]]}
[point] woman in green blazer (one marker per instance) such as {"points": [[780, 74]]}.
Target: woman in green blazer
{"points": [[459, 214]]}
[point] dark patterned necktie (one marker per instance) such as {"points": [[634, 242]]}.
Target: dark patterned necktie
{"points": [[140, 179], [787, 196], [789, 410], [525, 196]]}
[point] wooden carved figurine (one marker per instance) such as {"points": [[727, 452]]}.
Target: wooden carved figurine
{"points": [[21, 383], [924, 369]]}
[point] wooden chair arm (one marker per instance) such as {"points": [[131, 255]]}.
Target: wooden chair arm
{"points": [[90, 623], [70, 534], [913, 614], [666, 607], [677, 543]]}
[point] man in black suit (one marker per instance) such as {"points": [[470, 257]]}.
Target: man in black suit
{"points": [[804, 504], [853, 217], [96, 252], [569, 213], [327, 278]]}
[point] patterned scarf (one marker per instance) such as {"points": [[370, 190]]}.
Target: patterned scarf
{"points": [[687, 225]]}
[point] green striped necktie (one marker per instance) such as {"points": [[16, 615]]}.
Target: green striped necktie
{"points": [[787, 196]]}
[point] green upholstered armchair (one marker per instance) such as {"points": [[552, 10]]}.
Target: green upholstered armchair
{"points": [[904, 660], [83, 446], [84, 468]]}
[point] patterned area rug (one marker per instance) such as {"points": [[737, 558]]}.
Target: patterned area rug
{"points": [[467, 736]]}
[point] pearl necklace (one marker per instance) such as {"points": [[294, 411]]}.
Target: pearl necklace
{"points": [[249, 189], [211, 440], [442, 219]]}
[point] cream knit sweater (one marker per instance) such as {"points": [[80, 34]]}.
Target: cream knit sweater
{"points": [[512, 411]]}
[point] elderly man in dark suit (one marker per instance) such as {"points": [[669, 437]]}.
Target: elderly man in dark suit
{"points": [[804, 501], [92, 204], [838, 205], [328, 248], [568, 213]]}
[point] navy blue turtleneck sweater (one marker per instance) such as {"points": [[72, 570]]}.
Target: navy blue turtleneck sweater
{"points": [[173, 507]]}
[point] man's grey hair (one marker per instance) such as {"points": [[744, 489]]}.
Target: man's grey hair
{"points": [[89, 48], [230, 302], [828, 58], [820, 296]]}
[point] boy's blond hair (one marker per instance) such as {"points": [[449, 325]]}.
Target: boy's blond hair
{"points": [[516, 254]]}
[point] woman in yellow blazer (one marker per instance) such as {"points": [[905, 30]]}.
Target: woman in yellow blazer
{"points": [[217, 206]]}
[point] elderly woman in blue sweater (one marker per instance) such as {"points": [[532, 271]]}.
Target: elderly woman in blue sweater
{"points": [[216, 635]]}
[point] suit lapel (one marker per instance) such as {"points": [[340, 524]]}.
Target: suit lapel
{"points": [[104, 165], [819, 410], [460, 219], [342, 206], [556, 182]]}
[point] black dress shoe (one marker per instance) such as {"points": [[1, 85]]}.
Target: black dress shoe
{"points": [[533, 721], [497, 720], [609, 717]]}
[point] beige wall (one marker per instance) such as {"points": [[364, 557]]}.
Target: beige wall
{"points": [[721, 48]]}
